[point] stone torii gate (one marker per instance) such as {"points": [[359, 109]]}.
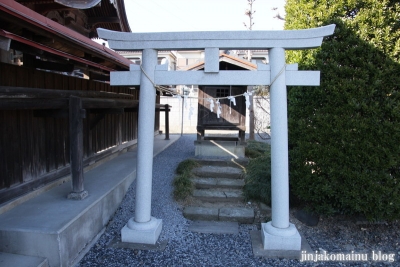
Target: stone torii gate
{"points": [[278, 234]]}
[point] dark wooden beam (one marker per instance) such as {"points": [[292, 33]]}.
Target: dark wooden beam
{"points": [[98, 77], [107, 111], [44, 8], [96, 20], [93, 58], [93, 103], [62, 103], [51, 113], [162, 109], [55, 66], [76, 148], [21, 103], [26, 92], [166, 122]]}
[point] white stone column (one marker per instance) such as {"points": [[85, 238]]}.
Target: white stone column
{"points": [[279, 234], [143, 228]]}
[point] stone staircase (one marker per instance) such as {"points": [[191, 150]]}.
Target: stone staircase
{"points": [[218, 194]]}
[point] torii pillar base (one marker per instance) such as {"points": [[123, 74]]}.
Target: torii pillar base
{"points": [[286, 239], [142, 233]]}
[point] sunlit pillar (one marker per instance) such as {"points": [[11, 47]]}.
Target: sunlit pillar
{"points": [[279, 234], [143, 228]]}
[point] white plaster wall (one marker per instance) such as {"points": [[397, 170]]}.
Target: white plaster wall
{"points": [[175, 116], [189, 126]]}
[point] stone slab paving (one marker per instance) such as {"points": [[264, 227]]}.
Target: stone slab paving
{"points": [[222, 195], [201, 213], [237, 163], [242, 215], [218, 172], [231, 214], [208, 183], [117, 243], [213, 227]]}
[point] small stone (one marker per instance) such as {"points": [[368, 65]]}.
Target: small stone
{"points": [[264, 207], [349, 247]]}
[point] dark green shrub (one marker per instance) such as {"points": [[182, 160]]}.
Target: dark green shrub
{"points": [[255, 149], [344, 135], [258, 175], [183, 185], [186, 166]]}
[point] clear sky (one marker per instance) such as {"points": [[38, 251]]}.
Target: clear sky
{"points": [[201, 15]]}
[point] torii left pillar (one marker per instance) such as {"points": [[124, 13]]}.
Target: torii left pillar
{"points": [[143, 228]]}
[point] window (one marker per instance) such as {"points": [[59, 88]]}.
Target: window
{"points": [[222, 92]]}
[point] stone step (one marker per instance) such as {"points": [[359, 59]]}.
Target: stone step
{"points": [[209, 183], [227, 214], [237, 163], [218, 172], [8, 259], [214, 227], [221, 195]]}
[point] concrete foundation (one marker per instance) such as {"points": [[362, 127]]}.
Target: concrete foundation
{"points": [[57, 228], [212, 148], [60, 229], [142, 233], [280, 239], [7, 259], [259, 251]]}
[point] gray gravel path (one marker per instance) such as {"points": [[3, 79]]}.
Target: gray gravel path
{"points": [[185, 248]]}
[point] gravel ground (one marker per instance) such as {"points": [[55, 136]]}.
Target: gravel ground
{"points": [[185, 248]]}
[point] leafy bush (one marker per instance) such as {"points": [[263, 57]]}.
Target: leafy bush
{"points": [[255, 149], [183, 185], [186, 166], [258, 173], [344, 135]]}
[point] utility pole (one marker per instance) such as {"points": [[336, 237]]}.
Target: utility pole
{"points": [[249, 12]]}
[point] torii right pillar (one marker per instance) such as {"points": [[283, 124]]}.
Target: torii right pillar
{"points": [[279, 234]]}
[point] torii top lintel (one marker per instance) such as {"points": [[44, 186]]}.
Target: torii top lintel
{"points": [[287, 39]]}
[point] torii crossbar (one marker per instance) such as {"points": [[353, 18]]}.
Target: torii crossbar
{"points": [[278, 234]]}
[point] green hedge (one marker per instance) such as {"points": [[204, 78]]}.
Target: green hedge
{"points": [[258, 172], [182, 182], [344, 136]]}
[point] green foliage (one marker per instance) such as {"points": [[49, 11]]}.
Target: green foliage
{"points": [[344, 135], [255, 149], [183, 185], [186, 166], [258, 173]]}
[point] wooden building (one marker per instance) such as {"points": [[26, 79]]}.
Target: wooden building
{"points": [[48, 67], [232, 117]]}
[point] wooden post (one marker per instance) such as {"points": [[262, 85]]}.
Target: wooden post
{"points": [[76, 113], [166, 112]]}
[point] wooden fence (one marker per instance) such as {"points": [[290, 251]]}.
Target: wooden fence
{"points": [[34, 141]]}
